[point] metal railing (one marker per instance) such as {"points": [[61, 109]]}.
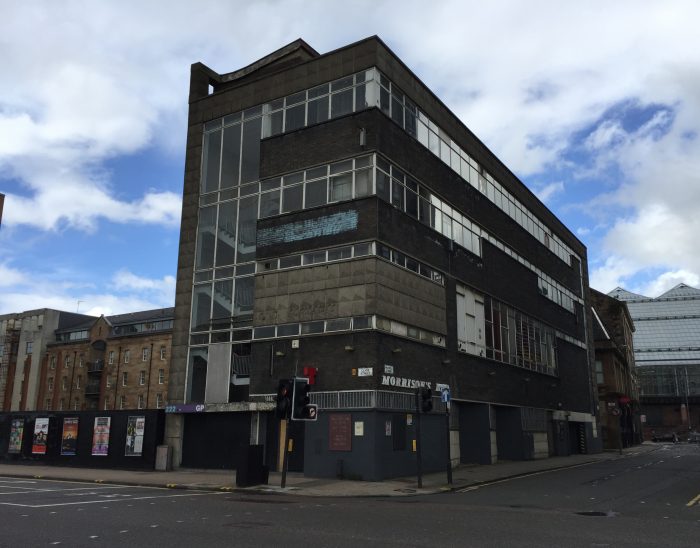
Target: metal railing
{"points": [[361, 399]]}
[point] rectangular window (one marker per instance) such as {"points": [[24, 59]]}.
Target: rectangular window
{"points": [[47, 404], [161, 376], [80, 360], [61, 404], [162, 353], [78, 380], [126, 355], [125, 378], [142, 378], [52, 362], [30, 346], [76, 405], [64, 383], [67, 361], [122, 402], [600, 378], [111, 357], [108, 382], [159, 400], [144, 354], [106, 404], [50, 383], [140, 402]]}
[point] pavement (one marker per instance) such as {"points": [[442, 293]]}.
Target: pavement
{"points": [[464, 476]]}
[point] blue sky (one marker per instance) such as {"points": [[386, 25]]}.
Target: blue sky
{"points": [[595, 106]]}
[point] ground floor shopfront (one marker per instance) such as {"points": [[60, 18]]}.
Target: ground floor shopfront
{"points": [[372, 435]]}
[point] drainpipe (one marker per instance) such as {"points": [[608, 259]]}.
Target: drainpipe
{"points": [[150, 366], [72, 377], [116, 381]]}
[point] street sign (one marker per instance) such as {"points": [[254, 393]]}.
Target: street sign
{"points": [[445, 395]]}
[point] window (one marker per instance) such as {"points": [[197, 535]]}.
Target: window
{"points": [[111, 357], [144, 354], [47, 404], [162, 353], [125, 378], [126, 356], [76, 404], [61, 404], [80, 360], [600, 379], [122, 402], [50, 383], [161, 376], [106, 405], [142, 377], [140, 401], [78, 380], [30, 345], [108, 382], [64, 383], [67, 361], [159, 400]]}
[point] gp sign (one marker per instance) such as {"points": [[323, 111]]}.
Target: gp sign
{"points": [[185, 408]]}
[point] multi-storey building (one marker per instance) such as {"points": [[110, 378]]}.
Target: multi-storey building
{"points": [[109, 363], [667, 356], [23, 340], [616, 376], [339, 222]]}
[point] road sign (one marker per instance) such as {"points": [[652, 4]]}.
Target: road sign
{"points": [[445, 395]]}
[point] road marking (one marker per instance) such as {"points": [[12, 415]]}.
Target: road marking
{"points": [[103, 501], [475, 487], [693, 502], [37, 490]]}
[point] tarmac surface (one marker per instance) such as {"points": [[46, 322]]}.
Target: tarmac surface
{"points": [[464, 477]]}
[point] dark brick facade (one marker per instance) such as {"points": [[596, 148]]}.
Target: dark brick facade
{"points": [[472, 378]]}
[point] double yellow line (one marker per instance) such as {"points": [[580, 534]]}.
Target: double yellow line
{"points": [[694, 501]]}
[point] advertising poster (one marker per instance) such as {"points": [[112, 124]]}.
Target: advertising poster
{"points": [[16, 436], [134, 436], [69, 439], [41, 433], [100, 436]]}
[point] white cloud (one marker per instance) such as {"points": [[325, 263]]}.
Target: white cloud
{"points": [[547, 191], [668, 280], [126, 292]]}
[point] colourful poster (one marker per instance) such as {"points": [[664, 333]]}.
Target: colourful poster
{"points": [[16, 436], [135, 428], [41, 434], [69, 439], [100, 436]]}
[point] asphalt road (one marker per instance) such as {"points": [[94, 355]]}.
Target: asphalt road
{"points": [[645, 500]]}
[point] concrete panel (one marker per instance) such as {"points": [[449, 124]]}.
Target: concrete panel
{"points": [[218, 373]]}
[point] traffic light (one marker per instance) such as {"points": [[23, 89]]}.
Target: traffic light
{"points": [[302, 408], [426, 399], [284, 398]]}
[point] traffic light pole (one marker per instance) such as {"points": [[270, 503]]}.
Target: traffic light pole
{"points": [[419, 460], [285, 458]]}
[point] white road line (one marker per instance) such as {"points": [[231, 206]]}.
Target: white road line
{"points": [[103, 501], [91, 488]]}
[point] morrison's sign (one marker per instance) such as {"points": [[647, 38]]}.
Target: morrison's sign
{"points": [[401, 382]]}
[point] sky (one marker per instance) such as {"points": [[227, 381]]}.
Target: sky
{"points": [[594, 105]]}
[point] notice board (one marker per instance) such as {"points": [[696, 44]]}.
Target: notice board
{"points": [[340, 432]]}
